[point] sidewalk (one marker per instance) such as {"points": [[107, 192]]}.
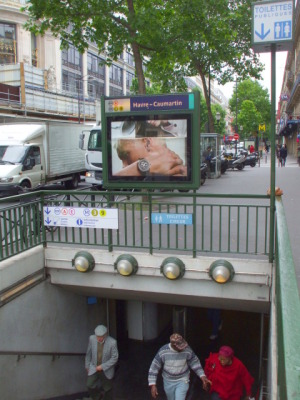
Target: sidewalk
{"points": [[291, 161]]}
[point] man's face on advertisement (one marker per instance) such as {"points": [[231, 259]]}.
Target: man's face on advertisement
{"points": [[140, 148]]}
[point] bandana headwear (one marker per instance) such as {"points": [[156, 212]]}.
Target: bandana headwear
{"points": [[226, 351], [178, 341]]}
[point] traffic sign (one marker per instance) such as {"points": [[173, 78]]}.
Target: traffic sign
{"points": [[272, 23], [236, 136], [81, 217]]}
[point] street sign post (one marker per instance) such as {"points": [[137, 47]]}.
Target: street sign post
{"points": [[272, 31], [272, 23]]}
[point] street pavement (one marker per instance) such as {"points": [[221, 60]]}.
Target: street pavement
{"points": [[257, 181]]}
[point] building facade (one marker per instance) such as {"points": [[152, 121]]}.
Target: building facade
{"points": [[37, 77]]}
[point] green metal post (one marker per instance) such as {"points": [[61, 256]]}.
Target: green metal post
{"points": [[150, 224], [272, 175], [194, 225]]}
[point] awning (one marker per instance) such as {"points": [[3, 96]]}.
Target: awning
{"points": [[290, 127]]}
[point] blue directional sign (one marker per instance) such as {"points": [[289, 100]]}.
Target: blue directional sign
{"points": [[272, 23], [172, 219]]}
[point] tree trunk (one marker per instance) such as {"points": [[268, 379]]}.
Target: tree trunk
{"points": [[136, 53], [207, 100], [139, 68]]}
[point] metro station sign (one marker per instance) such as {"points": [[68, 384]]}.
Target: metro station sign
{"points": [[272, 23]]}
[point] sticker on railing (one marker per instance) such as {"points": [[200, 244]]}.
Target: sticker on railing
{"points": [[171, 219], [79, 217]]}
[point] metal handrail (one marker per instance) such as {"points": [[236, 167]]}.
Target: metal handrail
{"points": [[288, 312], [22, 354]]}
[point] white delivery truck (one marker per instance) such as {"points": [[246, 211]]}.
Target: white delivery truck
{"points": [[34, 154], [93, 155]]}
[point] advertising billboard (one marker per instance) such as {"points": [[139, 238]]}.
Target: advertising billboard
{"points": [[152, 146]]}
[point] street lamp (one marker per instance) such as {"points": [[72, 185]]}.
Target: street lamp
{"points": [[236, 101]]}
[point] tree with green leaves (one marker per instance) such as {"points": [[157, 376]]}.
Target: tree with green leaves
{"points": [[111, 24], [174, 39], [251, 104], [213, 40], [249, 118]]}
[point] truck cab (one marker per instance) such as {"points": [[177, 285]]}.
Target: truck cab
{"points": [[93, 156], [22, 165]]}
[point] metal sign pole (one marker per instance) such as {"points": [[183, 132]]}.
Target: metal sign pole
{"points": [[272, 174]]}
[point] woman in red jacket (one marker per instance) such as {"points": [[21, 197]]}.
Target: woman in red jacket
{"points": [[229, 377]]}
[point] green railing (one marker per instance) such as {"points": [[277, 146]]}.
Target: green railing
{"points": [[21, 227], [220, 223], [288, 312]]}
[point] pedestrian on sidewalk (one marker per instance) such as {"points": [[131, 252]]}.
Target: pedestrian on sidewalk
{"points": [[175, 359], [283, 155], [278, 147], [100, 361], [228, 375], [266, 154], [298, 154]]}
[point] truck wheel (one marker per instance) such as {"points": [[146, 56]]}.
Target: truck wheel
{"points": [[25, 185], [73, 183]]}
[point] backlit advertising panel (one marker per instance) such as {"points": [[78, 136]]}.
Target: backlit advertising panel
{"points": [[152, 146]]}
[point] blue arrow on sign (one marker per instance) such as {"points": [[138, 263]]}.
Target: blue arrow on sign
{"points": [[47, 211], [48, 221], [262, 35]]}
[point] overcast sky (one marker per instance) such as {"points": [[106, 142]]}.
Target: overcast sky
{"points": [[266, 81]]}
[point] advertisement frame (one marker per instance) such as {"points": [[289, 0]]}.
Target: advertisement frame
{"points": [[117, 113]]}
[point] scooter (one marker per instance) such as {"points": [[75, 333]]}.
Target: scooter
{"points": [[250, 160], [222, 163], [203, 171], [237, 161]]}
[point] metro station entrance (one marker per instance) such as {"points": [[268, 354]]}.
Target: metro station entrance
{"points": [[245, 332]]}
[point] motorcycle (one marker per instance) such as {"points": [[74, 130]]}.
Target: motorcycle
{"points": [[220, 160], [251, 158], [235, 161]]}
